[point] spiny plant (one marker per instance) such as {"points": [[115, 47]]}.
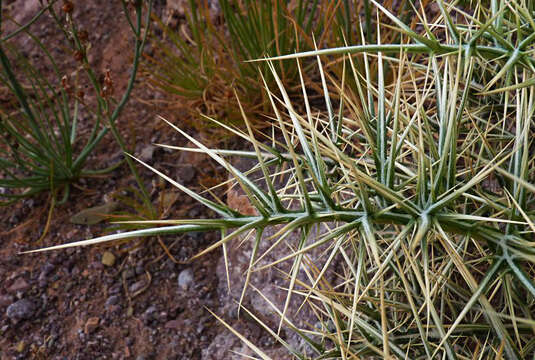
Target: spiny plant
{"points": [[421, 190]]}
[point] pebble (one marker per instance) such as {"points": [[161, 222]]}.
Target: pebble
{"points": [[150, 313], [185, 279], [138, 285], [173, 324], [186, 173], [19, 285], [108, 259], [115, 289], [42, 280], [147, 153], [20, 310], [151, 310], [47, 269], [194, 212], [112, 300]]}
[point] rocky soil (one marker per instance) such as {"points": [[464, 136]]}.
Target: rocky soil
{"points": [[129, 301]]}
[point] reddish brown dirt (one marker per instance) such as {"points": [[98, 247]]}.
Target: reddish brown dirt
{"points": [[83, 309]]}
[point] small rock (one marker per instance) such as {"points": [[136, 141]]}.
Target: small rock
{"points": [[47, 269], [173, 324], [194, 212], [151, 310], [42, 281], [150, 313], [138, 285], [75, 271], [91, 324], [108, 259], [20, 285], [185, 279], [112, 300], [21, 346], [115, 289], [240, 202], [186, 173], [147, 153], [20, 310]]}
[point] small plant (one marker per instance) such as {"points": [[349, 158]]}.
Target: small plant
{"points": [[40, 148], [422, 191], [39, 133], [203, 65], [186, 61], [268, 28]]}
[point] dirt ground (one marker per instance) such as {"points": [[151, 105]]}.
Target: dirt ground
{"points": [[143, 305]]}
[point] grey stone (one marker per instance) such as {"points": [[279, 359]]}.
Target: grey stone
{"points": [[147, 153], [186, 173], [185, 279], [112, 300], [150, 313], [21, 310], [138, 285]]}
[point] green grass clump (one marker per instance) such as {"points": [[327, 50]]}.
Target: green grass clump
{"points": [[423, 190], [204, 61], [185, 63], [38, 133], [39, 146]]}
